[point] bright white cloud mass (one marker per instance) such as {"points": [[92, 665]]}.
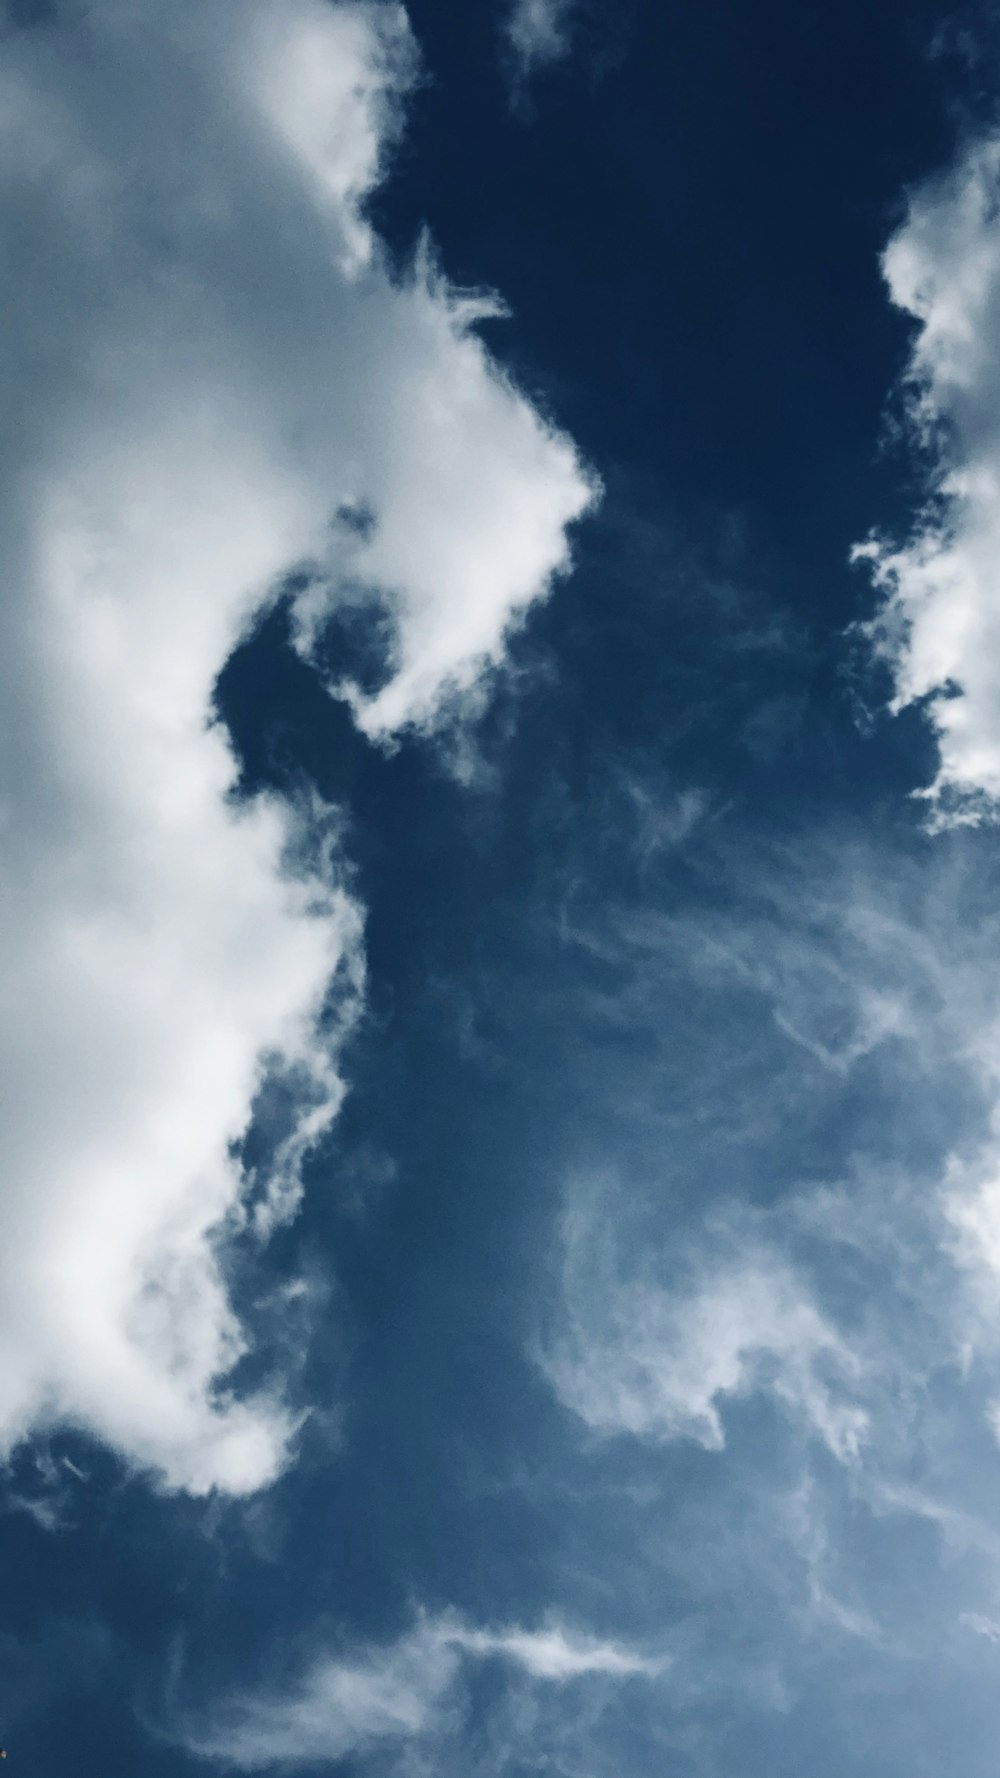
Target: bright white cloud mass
{"points": [[939, 628], [205, 360]]}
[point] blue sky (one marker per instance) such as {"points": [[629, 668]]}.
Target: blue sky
{"points": [[499, 775]]}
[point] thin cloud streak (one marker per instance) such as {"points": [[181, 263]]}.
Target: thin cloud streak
{"points": [[344, 1705]]}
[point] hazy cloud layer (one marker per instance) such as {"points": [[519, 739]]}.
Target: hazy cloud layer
{"points": [[205, 362]]}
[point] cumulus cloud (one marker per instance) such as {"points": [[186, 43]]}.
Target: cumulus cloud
{"points": [[634, 1353], [938, 630], [205, 362], [345, 1705]]}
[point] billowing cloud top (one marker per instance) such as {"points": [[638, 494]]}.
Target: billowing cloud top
{"points": [[205, 360], [939, 628]]}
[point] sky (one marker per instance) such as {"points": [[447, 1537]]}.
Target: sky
{"points": [[499, 986]]}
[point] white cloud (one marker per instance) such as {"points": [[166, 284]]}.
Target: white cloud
{"points": [[557, 1654], [986, 1627], [939, 627], [971, 1208], [338, 1707], [539, 32], [344, 1705], [634, 1354], [204, 360], [808, 1532]]}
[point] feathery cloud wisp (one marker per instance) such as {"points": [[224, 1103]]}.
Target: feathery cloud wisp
{"points": [[633, 1355], [344, 1705]]}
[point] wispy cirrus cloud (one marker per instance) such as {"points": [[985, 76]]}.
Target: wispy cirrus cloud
{"points": [[657, 1357], [207, 362], [556, 1654], [786, 1250], [397, 1693]]}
